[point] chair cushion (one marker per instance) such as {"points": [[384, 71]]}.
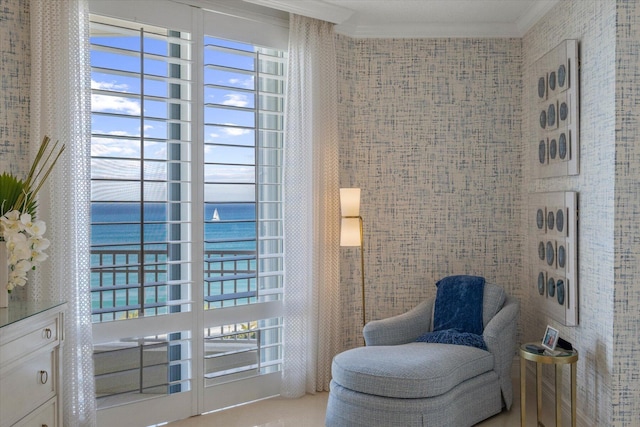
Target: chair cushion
{"points": [[413, 370]]}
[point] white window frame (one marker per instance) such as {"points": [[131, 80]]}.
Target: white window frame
{"points": [[235, 23]]}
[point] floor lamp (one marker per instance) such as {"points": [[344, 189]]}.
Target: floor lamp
{"points": [[351, 230]]}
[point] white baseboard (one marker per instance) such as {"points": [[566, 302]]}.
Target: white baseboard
{"points": [[548, 392]]}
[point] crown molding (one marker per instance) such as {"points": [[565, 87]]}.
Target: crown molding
{"points": [[238, 9], [430, 30], [311, 8], [535, 12], [518, 29], [340, 16]]}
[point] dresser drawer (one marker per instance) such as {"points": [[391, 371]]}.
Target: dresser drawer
{"points": [[27, 385], [44, 416], [30, 339]]}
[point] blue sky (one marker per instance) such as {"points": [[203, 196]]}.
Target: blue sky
{"points": [[223, 126]]}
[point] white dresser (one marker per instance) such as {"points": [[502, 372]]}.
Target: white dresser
{"points": [[31, 336]]}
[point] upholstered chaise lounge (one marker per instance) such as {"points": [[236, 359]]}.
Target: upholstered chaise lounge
{"points": [[396, 381]]}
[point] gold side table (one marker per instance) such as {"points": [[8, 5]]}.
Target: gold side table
{"points": [[563, 358]]}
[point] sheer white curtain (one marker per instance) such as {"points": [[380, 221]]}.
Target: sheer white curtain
{"points": [[312, 209], [60, 108]]}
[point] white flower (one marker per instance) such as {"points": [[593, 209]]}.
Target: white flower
{"points": [[37, 228], [12, 216], [37, 256], [25, 245], [25, 219], [11, 223]]}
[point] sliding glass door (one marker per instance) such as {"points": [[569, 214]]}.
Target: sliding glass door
{"points": [[186, 255], [243, 89]]}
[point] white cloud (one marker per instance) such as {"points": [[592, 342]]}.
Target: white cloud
{"points": [[123, 148], [120, 87], [247, 83], [114, 147], [155, 150], [236, 131], [236, 100], [114, 104], [229, 132]]}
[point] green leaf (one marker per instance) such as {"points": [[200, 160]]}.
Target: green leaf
{"points": [[10, 190]]}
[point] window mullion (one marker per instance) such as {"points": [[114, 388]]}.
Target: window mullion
{"points": [[197, 213], [258, 165], [141, 261]]}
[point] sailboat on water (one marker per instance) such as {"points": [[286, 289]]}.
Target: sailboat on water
{"points": [[216, 215]]}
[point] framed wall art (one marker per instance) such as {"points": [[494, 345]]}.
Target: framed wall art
{"points": [[555, 113], [553, 254]]}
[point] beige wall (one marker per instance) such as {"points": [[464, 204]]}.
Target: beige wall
{"points": [[15, 73], [592, 23], [430, 130], [626, 316]]}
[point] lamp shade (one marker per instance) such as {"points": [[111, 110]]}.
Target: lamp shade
{"points": [[350, 201], [350, 232]]}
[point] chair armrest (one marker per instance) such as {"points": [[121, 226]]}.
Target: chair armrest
{"points": [[500, 337], [500, 333], [400, 329]]}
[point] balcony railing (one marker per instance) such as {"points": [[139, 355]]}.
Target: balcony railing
{"points": [[124, 287]]}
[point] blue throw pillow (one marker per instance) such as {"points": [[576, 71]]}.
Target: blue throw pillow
{"points": [[458, 304]]}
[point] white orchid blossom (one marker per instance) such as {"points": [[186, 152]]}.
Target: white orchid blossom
{"points": [[25, 245], [19, 230]]}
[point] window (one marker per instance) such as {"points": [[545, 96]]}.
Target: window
{"points": [[186, 216], [140, 205], [140, 170], [243, 138]]}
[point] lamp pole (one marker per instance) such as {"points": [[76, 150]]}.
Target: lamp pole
{"points": [[364, 311], [350, 212]]}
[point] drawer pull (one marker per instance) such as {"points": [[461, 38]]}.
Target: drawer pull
{"points": [[44, 377], [47, 333]]}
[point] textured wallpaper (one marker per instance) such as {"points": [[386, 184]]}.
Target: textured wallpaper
{"points": [[626, 342], [434, 132], [430, 130], [592, 23], [14, 85]]}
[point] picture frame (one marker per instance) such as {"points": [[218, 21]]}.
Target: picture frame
{"points": [[550, 339], [552, 246]]}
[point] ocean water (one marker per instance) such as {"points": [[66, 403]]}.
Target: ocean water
{"points": [[116, 227], [118, 224]]}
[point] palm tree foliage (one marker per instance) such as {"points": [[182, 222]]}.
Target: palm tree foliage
{"points": [[17, 194]]}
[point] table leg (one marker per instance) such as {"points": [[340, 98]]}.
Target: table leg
{"points": [[523, 392], [574, 369], [558, 395], [539, 393]]}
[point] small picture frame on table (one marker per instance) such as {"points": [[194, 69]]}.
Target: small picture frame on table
{"points": [[550, 339]]}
